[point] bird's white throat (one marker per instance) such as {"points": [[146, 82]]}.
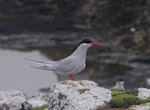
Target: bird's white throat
{"points": [[81, 51]]}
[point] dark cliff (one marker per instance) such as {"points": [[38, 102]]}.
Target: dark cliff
{"points": [[49, 15]]}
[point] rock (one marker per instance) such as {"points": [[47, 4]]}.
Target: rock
{"points": [[107, 13], [16, 100], [141, 39], [132, 29], [26, 106], [38, 101], [12, 100], [143, 93], [78, 95], [148, 81], [145, 106], [45, 15]]}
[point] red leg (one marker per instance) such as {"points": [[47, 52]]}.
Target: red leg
{"points": [[71, 77]]}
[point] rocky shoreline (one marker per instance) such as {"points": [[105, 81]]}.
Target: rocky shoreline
{"points": [[79, 95]]}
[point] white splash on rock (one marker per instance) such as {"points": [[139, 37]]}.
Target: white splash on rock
{"points": [[145, 106], [143, 93], [12, 99], [133, 29], [38, 100], [78, 95]]}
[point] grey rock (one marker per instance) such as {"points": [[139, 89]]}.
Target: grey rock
{"points": [[78, 95]]}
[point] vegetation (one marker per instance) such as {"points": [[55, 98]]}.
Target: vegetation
{"points": [[122, 99], [145, 101], [40, 108]]}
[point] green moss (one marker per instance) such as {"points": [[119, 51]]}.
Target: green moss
{"points": [[146, 100], [121, 99], [40, 108], [116, 92]]}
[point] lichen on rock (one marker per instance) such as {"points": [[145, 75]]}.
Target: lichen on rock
{"points": [[78, 95]]}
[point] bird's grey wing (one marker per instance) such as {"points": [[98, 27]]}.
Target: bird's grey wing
{"points": [[41, 62], [66, 66]]}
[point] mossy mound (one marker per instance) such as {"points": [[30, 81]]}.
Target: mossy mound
{"points": [[115, 92], [40, 108], [146, 100], [121, 99]]}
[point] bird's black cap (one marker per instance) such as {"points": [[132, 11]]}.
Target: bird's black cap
{"points": [[120, 80], [86, 41]]}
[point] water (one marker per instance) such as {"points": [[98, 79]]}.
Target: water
{"points": [[16, 73]]}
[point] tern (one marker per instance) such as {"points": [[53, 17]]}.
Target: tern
{"points": [[119, 85], [70, 65]]}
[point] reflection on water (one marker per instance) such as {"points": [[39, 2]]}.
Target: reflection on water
{"points": [[16, 73]]}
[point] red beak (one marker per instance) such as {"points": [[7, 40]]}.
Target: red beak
{"points": [[95, 44]]}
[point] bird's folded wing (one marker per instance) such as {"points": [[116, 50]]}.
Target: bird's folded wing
{"points": [[66, 66]]}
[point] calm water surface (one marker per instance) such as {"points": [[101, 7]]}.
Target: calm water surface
{"points": [[16, 73]]}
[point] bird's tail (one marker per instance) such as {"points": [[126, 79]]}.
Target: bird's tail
{"points": [[41, 62], [42, 65]]}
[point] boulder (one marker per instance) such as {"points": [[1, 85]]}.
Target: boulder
{"points": [[145, 106], [16, 100], [38, 100], [143, 93], [12, 99], [78, 95]]}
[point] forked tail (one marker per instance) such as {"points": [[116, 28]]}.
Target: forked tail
{"points": [[42, 65]]}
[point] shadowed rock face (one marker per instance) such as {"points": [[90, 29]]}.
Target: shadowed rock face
{"points": [[36, 16], [47, 15]]}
